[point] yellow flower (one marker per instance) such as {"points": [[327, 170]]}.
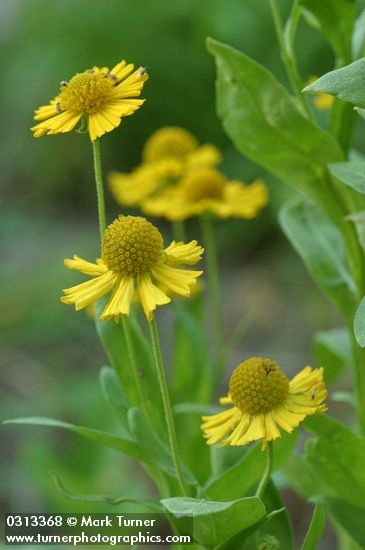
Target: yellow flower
{"points": [[207, 190], [167, 155], [263, 400], [100, 95], [136, 267], [323, 102]]}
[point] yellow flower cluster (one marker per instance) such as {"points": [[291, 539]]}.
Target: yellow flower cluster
{"points": [[178, 179]]}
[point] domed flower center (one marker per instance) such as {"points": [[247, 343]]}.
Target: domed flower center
{"points": [[169, 142], [86, 92], [203, 184], [258, 386], [131, 245]]}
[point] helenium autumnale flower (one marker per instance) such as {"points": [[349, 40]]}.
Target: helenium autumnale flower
{"points": [[135, 265], [102, 96], [264, 400]]}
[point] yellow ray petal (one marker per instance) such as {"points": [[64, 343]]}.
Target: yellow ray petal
{"points": [[177, 280], [84, 294], [149, 295], [120, 302], [88, 268]]}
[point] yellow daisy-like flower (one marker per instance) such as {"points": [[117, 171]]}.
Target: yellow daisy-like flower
{"points": [[136, 267], [207, 190], [167, 155], [263, 401], [100, 95], [323, 102]]}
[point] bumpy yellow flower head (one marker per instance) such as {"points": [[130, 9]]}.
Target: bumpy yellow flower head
{"points": [[263, 400], [136, 267], [323, 102], [103, 97], [167, 155], [205, 189], [169, 142]]}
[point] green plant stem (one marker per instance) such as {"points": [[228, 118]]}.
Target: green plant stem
{"points": [[268, 468], [157, 355], [287, 51], [214, 287], [178, 231], [359, 363], [99, 187], [134, 365]]}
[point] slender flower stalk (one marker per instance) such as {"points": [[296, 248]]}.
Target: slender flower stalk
{"points": [[266, 475], [214, 287], [157, 355], [99, 187]]}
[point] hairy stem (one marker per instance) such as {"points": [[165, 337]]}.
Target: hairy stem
{"points": [[268, 468], [99, 187]]}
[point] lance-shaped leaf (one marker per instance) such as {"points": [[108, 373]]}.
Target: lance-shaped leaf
{"points": [[320, 245], [332, 349], [336, 19], [346, 83], [359, 324], [351, 173], [315, 531], [113, 340], [266, 125], [337, 456], [214, 522]]}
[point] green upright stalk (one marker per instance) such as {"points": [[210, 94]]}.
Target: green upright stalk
{"points": [[178, 231], [266, 475], [214, 287], [359, 364], [166, 404], [287, 53], [99, 188]]}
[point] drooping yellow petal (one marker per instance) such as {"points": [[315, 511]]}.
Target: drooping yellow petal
{"points": [[88, 268], [149, 294], [177, 280], [120, 302], [59, 124], [84, 294], [181, 253]]}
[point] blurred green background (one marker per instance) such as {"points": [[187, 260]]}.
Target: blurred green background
{"points": [[50, 355]]}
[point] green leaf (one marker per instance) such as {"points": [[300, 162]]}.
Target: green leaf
{"points": [[346, 83], [245, 474], [337, 456], [358, 38], [191, 374], [349, 517], [124, 445], [351, 173], [302, 477], [316, 528], [277, 526], [336, 18], [114, 395], [106, 499], [265, 124], [320, 245], [359, 324], [114, 343], [332, 350], [213, 522], [156, 449]]}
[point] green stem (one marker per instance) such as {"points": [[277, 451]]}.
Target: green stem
{"points": [[178, 231], [266, 475], [287, 51], [167, 404], [359, 363], [133, 364], [214, 287], [99, 187]]}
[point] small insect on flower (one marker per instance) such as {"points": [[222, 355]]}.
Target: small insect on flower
{"points": [[262, 400], [136, 267], [104, 96]]}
